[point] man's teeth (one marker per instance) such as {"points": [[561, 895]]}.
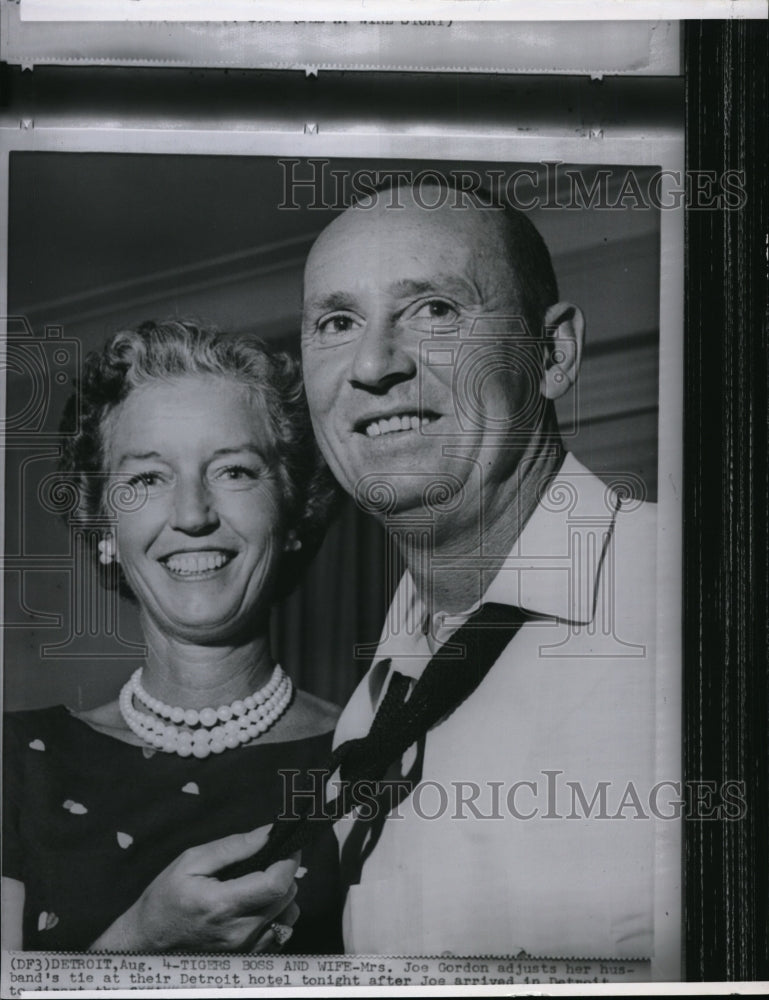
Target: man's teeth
{"points": [[196, 562], [392, 424]]}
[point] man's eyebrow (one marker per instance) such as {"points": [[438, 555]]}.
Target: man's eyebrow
{"points": [[331, 302], [441, 283], [138, 456]]}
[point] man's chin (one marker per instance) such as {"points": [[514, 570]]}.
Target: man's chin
{"points": [[391, 491]]}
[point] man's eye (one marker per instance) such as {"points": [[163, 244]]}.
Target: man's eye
{"points": [[340, 323], [147, 479], [436, 309]]}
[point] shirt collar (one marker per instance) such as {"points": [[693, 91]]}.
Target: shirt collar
{"points": [[553, 570]]}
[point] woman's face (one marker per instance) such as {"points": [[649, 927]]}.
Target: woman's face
{"points": [[201, 550]]}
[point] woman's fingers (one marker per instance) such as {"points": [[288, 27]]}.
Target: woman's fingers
{"points": [[207, 859], [239, 909], [262, 893]]}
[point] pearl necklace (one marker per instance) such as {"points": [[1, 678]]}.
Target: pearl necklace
{"points": [[207, 730]]}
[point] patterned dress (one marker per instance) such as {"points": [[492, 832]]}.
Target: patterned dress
{"points": [[90, 821]]}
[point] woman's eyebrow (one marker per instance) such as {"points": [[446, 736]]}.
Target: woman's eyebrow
{"points": [[238, 449], [144, 456]]}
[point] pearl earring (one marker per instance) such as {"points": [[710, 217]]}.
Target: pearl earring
{"points": [[107, 550], [293, 544]]}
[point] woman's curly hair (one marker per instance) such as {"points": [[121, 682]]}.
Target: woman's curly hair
{"points": [[158, 351]]}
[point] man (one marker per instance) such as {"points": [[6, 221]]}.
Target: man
{"points": [[434, 346]]}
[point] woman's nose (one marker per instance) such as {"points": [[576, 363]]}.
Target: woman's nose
{"points": [[381, 357], [193, 510]]}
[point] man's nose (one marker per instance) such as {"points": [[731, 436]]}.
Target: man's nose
{"points": [[193, 509], [381, 357]]}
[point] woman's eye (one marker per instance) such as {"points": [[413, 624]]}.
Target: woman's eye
{"points": [[235, 473]]}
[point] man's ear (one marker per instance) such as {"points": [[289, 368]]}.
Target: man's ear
{"points": [[565, 331]]}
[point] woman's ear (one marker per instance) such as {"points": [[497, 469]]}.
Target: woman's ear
{"points": [[565, 331]]}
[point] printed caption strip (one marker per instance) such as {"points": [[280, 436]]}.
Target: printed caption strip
{"points": [[46, 970]]}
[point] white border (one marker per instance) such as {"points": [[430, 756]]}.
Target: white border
{"points": [[623, 48], [621, 146], [363, 10]]}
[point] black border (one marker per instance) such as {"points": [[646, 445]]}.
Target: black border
{"points": [[726, 599]]}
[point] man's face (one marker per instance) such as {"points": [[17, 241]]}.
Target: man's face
{"points": [[412, 343]]}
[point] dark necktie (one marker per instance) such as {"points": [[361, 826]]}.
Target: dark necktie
{"points": [[450, 677], [368, 825]]}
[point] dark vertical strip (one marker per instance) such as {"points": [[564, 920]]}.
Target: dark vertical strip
{"points": [[726, 635]]}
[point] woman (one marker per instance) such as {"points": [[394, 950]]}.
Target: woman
{"points": [[195, 454]]}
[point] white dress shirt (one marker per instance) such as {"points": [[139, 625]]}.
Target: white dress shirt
{"points": [[494, 852]]}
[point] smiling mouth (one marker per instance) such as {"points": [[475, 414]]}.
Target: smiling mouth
{"points": [[197, 564], [398, 424]]}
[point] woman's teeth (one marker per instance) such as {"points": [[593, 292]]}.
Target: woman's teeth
{"points": [[196, 562], [393, 424]]}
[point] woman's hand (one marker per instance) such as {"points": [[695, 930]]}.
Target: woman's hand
{"points": [[187, 908]]}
